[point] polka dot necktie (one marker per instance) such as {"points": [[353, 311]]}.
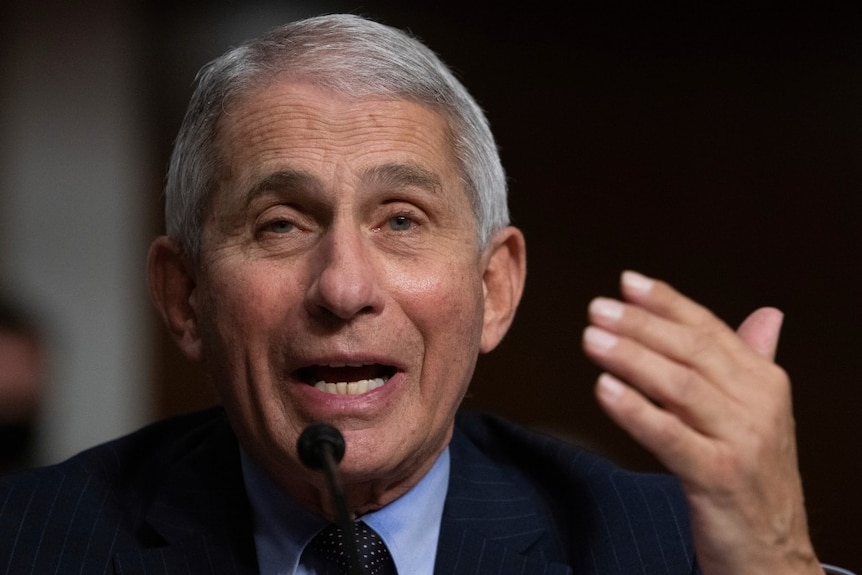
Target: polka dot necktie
{"points": [[373, 554]]}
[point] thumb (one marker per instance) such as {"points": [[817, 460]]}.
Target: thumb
{"points": [[761, 329]]}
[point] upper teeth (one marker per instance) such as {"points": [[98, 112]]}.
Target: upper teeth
{"points": [[351, 387]]}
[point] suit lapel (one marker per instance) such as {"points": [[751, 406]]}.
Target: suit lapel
{"points": [[199, 518], [492, 522]]}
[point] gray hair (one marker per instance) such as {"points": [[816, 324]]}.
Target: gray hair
{"points": [[353, 56]]}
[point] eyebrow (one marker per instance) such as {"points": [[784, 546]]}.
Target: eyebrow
{"points": [[392, 176], [402, 176], [283, 180]]}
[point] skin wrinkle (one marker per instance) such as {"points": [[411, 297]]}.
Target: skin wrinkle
{"points": [[411, 180], [259, 130]]}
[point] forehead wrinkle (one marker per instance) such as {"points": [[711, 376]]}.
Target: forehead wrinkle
{"points": [[402, 175]]}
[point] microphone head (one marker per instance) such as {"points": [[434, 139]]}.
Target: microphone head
{"points": [[315, 441]]}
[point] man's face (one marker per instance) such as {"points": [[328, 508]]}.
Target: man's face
{"points": [[339, 254]]}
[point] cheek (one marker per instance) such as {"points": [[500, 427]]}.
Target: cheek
{"points": [[447, 310], [234, 323], [449, 295]]}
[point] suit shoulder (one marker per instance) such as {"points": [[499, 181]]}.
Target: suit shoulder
{"points": [[524, 448], [109, 486], [593, 502], [131, 457]]}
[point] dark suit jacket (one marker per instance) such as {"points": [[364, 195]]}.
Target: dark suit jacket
{"points": [[170, 499]]}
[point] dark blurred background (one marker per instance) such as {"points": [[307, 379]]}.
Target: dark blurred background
{"points": [[717, 147]]}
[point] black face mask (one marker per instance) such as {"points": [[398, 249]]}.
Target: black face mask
{"points": [[16, 445]]}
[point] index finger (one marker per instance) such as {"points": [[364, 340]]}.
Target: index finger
{"points": [[671, 324], [665, 302]]}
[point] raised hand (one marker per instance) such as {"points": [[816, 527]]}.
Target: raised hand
{"points": [[715, 409]]}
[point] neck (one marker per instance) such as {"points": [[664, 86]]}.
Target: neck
{"points": [[361, 495]]}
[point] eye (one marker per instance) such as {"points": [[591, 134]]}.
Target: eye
{"points": [[401, 223], [280, 227]]}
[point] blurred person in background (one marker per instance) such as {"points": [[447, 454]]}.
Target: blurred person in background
{"points": [[22, 374]]}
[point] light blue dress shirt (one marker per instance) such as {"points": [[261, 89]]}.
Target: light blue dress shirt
{"points": [[410, 525]]}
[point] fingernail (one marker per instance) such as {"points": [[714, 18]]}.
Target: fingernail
{"points": [[599, 339], [637, 282], [609, 387], [606, 308]]}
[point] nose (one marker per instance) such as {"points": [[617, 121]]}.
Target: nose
{"points": [[345, 282]]}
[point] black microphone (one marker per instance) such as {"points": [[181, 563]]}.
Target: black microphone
{"points": [[321, 446]]}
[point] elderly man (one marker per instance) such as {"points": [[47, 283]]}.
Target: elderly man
{"points": [[338, 250]]}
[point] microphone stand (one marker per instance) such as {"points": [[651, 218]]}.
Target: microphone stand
{"points": [[321, 446]]}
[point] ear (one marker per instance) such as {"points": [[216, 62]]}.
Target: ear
{"points": [[503, 280], [172, 288]]}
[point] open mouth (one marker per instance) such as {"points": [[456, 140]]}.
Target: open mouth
{"points": [[347, 379]]}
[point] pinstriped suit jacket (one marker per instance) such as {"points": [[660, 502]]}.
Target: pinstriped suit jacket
{"points": [[169, 499]]}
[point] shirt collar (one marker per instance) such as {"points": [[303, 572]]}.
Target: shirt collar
{"points": [[410, 525]]}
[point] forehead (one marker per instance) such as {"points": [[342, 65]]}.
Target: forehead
{"points": [[287, 123]]}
